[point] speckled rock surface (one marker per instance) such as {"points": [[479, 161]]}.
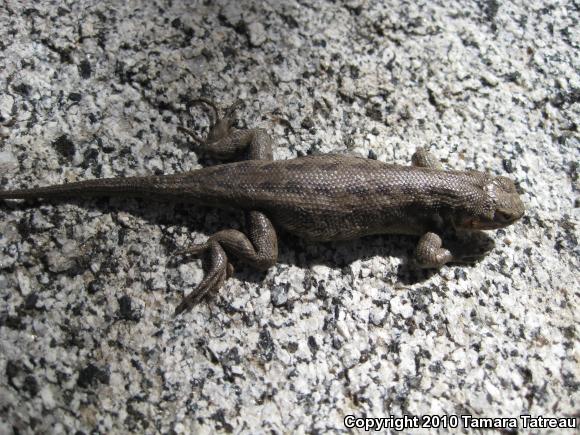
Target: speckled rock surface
{"points": [[96, 88]]}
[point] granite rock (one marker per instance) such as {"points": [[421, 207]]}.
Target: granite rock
{"points": [[95, 89]]}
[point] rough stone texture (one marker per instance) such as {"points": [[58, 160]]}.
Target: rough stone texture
{"points": [[97, 88]]}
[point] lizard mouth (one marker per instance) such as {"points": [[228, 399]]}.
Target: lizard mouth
{"points": [[485, 225], [500, 219]]}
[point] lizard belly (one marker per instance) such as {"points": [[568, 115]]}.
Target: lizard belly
{"points": [[331, 226]]}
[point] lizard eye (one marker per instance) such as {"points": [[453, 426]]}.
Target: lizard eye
{"points": [[503, 216]]}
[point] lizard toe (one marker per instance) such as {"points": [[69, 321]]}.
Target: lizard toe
{"points": [[218, 269], [193, 250], [429, 254]]}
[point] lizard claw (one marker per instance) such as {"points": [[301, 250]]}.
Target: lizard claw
{"points": [[229, 112], [230, 270], [210, 103], [218, 270], [190, 251], [198, 140], [193, 250]]}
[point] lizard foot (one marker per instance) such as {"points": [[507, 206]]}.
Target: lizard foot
{"points": [[219, 128], [225, 141], [198, 140], [429, 253], [218, 269], [258, 249], [193, 250]]}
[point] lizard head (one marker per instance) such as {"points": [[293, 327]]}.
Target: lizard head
{"points": [[498, 206]]}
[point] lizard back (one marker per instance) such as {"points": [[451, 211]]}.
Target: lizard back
{"points": [[337, 197], [330, 197]]}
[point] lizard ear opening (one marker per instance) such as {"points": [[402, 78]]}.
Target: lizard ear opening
{"points": [[476, 219]]}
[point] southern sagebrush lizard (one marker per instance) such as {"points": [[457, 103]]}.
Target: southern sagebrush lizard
{"points": [[325, 198]]}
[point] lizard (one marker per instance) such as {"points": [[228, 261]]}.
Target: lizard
{"points": [[317, 197]]}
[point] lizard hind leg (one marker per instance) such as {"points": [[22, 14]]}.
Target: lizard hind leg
{"points": [[259, 249], [212, 120], [226, 142], [219, 127], [217, 268]]}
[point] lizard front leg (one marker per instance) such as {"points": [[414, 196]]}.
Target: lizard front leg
{"points": [[429, 252], [424, 159]]}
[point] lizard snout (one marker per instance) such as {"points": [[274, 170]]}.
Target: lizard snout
{"points": [[507, 204], [505, 218]]}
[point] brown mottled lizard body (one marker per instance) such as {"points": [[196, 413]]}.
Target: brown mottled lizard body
{"points": [[329, 197]]}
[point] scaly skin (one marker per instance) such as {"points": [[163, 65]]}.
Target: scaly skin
{"points": [[322, 198]]}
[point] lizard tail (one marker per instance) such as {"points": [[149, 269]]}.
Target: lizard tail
{"points": [[130, 186]]}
